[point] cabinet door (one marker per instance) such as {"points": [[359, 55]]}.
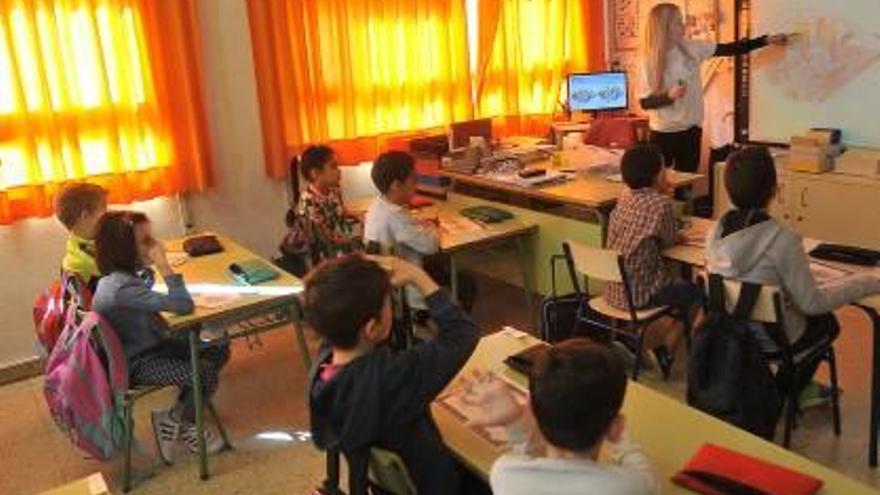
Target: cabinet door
{"points": [[839, 212], [783, 205]]}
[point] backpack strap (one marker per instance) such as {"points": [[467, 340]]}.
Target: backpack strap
{"points": [[748, 297], [716, 294], [109, 342]]}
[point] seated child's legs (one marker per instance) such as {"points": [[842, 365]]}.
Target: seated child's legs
{"points": [[169, 364], [684, 296], [437, 266], [679, 294], [820, 329]]}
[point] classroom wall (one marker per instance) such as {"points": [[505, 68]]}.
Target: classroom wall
{"points": [[244, 203], [31, 252]]}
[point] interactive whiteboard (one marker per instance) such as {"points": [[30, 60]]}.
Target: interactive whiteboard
{"points": [[828, 76]]}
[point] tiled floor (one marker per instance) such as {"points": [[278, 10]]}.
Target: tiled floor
{"points": [[262, 392]]}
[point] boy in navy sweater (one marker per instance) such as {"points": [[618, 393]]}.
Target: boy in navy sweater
{"points": [[362, 394]]}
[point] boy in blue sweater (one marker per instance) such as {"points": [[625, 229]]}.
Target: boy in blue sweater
{"points": [[364, 395]]}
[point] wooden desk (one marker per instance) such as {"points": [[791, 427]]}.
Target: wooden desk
{"points": [[212, 270], [92, 485], [696, 256], [587, 190], [670, 432], [485, 237]]}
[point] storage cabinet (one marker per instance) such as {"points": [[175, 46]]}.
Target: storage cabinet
{"points": [[832, 207]]}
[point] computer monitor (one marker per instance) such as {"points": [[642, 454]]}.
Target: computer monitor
{"points": [[597, 91], [461, 132]]}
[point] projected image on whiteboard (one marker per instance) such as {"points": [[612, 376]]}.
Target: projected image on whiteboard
{"points": [[827, 76]]}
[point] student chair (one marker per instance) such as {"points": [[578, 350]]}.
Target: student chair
{"points": [[128, 400], [605, 265], [379, 472], [403, 327], [131, 396], [768, 311]]}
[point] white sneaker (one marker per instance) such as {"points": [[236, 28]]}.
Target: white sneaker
{"points": [[166, 431], [190, 437]]}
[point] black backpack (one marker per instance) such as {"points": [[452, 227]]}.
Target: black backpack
{"points": [[728, 376]]}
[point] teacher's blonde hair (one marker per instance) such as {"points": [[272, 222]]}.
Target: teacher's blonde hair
{"points": [[656, 43]]}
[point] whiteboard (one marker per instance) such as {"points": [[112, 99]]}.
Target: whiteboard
{"points": [[829, 76]]}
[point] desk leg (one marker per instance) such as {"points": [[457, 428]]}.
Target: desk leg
{"points": [[196, 364], [453, 276], [875, 389], [526, 278], [295, 320], [602, 218]]}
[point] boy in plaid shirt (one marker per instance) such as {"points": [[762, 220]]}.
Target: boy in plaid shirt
{"points": [[641, 226]]}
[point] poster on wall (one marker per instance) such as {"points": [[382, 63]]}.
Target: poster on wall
{"points": [[626, 24], [629, 17]]}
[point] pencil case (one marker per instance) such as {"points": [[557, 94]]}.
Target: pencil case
{"points": [[252, 272], [714, 470], [202, 245]]}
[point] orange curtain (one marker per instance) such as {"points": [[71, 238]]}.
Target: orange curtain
{"points": [[526, 49], [339, 70], [107, 91]]}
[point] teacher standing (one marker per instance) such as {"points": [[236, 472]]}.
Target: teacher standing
{"points": [[670, 88]]}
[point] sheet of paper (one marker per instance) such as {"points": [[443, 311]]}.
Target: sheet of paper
{"points": [[460, 225], [213, 301], [177, 258], [826, 274], [696, 233], [592, 157]]}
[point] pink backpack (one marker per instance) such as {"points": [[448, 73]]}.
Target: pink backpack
{"points": [[84, 396], [50, 308]]}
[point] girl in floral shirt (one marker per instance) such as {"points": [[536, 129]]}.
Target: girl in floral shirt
{"points": [[319, 225]]}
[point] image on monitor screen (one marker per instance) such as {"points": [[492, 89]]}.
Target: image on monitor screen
{"points": [[597, 91]]}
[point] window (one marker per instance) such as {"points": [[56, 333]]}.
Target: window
{"points": [[101, 90], [74, 95]]}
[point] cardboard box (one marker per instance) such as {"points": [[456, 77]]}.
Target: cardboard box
{"points": [[815, 163]]}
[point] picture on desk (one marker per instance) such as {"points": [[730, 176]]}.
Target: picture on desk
{"points": [[457, 402], [826, 273]]}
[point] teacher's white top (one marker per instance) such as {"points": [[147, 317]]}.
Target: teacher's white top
{"points": [[687, 111]]}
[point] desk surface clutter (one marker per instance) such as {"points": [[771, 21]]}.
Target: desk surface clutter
{"points": [[458, 232], [216, 291], [585, 188], [670, 432]]}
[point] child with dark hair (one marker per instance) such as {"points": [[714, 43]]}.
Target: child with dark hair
{"points": [[78, 207], [641, 226], [125, 247], [388, 222], [748, 244], [361, 393], [576, 390], [319, 225], [390, 225]]}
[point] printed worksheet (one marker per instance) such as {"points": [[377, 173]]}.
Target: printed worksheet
{"points": [[456, 401]]}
